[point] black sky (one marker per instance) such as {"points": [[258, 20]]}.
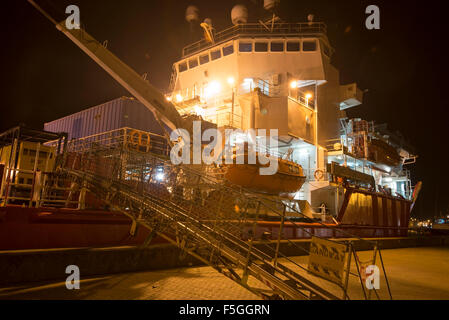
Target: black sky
{"points": [[404, 65]]}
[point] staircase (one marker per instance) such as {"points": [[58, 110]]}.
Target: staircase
{"points": [[206, 219]]}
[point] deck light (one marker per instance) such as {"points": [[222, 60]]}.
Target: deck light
{"points": [[231, 81], [212, 89], [179, 98], [294, 84], [309, 96]]}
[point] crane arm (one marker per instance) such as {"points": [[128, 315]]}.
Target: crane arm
{"points": [[146, 93]]}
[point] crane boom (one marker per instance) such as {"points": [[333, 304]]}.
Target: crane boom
{"points": [[146, 93]]}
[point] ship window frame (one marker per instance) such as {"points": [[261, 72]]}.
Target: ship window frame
{"points": [[277, 42], [183, 67], [230, 46], [217, 51], [204, 56], [298, 42], [309, 42], [264, 43], [248, 43], [194, 65]]}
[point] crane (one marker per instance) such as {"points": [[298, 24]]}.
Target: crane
{"points": [[144, 91]]}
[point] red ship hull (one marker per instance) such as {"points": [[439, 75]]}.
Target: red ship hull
{"points": [[46, 228]]}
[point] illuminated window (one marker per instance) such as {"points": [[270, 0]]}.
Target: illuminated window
{"points": [[245, 47], [293, 46], [204, 59], [309, 46], [193, 63], [228, 50], [277, 47], [261, 47], [215, 54], [183, 67]]}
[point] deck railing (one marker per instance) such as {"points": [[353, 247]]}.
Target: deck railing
{"points": [[258, 30]]}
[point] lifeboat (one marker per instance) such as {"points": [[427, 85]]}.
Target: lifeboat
{"points": [[381, 152], [288, 179]]}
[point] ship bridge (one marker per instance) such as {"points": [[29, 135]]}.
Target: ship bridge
{"points": [[252, 50], [269, 75]]}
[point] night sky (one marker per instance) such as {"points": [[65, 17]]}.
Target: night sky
{"points": [[403, 66]]}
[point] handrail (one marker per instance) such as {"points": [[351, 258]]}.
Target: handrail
{"points": [[257, 29]]}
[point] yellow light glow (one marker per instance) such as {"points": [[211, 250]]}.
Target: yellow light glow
{"points": [[179, 98], [199, 111], [294, 84], [168, 98], [212, 89], [231, 81], [309, 96]]}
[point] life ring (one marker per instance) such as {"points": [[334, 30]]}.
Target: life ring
{"points": [[319, 174]]}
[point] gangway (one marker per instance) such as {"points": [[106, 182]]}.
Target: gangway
{"points": [[206, 224]]}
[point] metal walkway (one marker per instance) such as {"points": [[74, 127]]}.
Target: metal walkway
{"points": [[200, 216]]}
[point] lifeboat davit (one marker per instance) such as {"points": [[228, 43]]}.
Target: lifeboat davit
{"points": [[288, 179]]}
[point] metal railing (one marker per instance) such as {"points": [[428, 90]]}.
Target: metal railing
{"points": [[301, 98], [257, 29], [141, 140]]}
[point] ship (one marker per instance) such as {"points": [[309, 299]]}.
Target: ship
{"points": [[336, 177]]}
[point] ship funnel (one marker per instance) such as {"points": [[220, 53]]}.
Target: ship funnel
{"points": [[239, 14]]}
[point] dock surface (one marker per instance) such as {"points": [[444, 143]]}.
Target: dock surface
{"points": [[413, 274]]}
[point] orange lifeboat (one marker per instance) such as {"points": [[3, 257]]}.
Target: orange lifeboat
{"points": [[288, 179]]}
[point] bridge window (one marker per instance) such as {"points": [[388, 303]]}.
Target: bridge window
{"points": [[309, 46], [183, 67], [228, 50], [193, 63], [204, 59], [293, 46], [277, 47], [215, 54], [245, 47], [261, 47]]}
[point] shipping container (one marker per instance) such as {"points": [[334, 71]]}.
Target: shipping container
{"points": [[112, 115]]}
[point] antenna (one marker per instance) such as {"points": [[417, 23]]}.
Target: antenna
{"points": [[239, 14], [192, 17], [192, 14], [270, 5], [310, 19]]}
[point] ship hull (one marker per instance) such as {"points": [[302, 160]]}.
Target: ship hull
{"points": [[364, 214]]}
